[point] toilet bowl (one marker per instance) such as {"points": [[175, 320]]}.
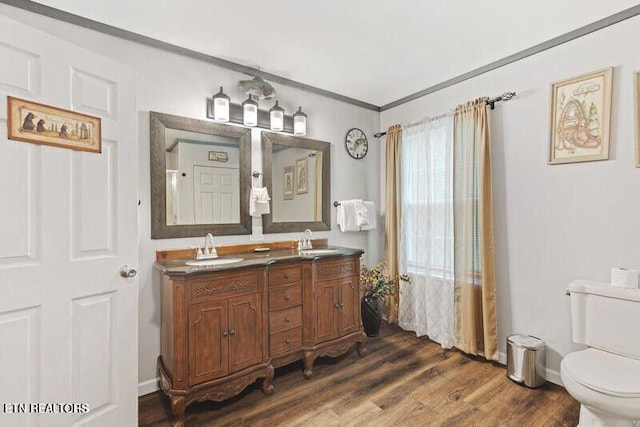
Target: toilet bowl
{"points": [[606, 385], [604, 378]]}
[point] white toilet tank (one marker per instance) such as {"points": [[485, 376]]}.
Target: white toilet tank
{"points": [[606, 317]]}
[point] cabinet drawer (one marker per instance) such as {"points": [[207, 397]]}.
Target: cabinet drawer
{"points": [[285, 319], [285, 341], [285, 296], [224, 284], [283, 276], [336, 269]]}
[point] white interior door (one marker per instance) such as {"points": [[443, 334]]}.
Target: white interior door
{"points": [[68, 320], [216, 195]]}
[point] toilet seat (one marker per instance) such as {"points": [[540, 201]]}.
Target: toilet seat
{"points": [[603, 380]]}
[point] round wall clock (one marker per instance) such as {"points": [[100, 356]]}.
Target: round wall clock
{"points": [[356, 143]]}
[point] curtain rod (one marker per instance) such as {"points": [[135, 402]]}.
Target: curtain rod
{"points": [[507, 96]]}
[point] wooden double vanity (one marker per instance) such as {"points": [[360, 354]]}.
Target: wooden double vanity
{"points": [[225, 327]]}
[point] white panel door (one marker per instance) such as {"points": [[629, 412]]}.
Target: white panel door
{"points": [[68, 320], [216, 195]]}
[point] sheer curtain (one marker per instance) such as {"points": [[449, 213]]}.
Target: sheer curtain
{"points": [[426, 237]]}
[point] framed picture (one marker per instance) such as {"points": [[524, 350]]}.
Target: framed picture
{"points": [[302, 176], [42, 124], [580, 118], [288, 182], [636, 78]]}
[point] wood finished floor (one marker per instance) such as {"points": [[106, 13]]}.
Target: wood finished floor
{"points": [[403, 381]]}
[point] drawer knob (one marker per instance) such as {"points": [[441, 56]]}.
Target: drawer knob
{"points": [[287, 298], [287, 320], [341, 305], [287, 341], [225, 334], [285, 275], [232, 332], [337, 305]]}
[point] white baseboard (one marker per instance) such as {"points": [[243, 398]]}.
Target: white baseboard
{"points": [[550, 375], [147, 387]]}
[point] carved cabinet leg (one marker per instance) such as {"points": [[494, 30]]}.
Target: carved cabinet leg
{"points": [[267, 386], [308, 359], [362, 346], [178, 408]]}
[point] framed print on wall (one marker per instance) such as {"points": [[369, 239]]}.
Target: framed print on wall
{"points": [[288, 182], [302, 176], [636, 78], [43, 124], [581, 118]]}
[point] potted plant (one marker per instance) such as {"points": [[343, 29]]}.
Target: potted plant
{"points": [[376, 284]]}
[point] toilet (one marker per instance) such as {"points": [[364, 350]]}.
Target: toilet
{"points": [[604, 378]]}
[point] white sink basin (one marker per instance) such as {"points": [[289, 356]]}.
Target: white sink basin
{"points": [[213, 262], [319, 251]]}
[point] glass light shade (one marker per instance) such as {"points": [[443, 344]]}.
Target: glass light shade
{"points": [[299, 123], [250, 112], [221, 107], [276, 118]]}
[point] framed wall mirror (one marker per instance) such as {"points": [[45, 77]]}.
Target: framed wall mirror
{"points": [[297, 174], [200, 177]]}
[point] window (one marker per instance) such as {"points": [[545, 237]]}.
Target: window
{"points": [[427, 199]]}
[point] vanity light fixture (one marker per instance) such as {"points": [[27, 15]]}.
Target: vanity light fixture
{"points": [[221, 107], [299, 123], [250, 112], [276, 118]]}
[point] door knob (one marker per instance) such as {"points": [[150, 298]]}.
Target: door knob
{"points": [[126, 271]]}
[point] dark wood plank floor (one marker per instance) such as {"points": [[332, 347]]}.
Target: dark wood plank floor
{"points": [[403, 381]]}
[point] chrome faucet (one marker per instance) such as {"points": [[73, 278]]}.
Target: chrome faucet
{"points": [[306, 242], [209, 249]]}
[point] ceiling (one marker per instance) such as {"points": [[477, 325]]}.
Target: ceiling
{"points": [[375, 51]]}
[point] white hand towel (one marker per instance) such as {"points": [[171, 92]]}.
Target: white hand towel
{"points": [[372, 216], [347, 215], [362, 217], [259, 202]]}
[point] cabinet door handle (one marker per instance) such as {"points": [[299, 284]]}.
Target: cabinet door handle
{"points": [[232, 332], [287, 320], [287, 298], [287, 341], [285, 275], [341, 305], [337, 305], [225, 334]]}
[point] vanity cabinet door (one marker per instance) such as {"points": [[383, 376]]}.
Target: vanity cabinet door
{"points": [[327, 308], [245, 331], [208, 341], [349, 312]]}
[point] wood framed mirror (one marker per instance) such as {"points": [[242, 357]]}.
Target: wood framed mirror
{"points": [[200, 177], [297, 174]]}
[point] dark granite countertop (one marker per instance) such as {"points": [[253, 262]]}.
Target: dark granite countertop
{"points": [[179, 267]]}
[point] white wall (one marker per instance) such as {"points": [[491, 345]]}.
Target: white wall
{"points": [[178, 85], [554, 223]]}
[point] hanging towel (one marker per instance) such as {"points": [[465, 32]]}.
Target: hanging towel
{"points": [[372, 216], [259, 202], [362, 218], [347, 215]]}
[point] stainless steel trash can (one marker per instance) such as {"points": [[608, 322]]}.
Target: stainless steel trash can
{"points": [[526, 360]]}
